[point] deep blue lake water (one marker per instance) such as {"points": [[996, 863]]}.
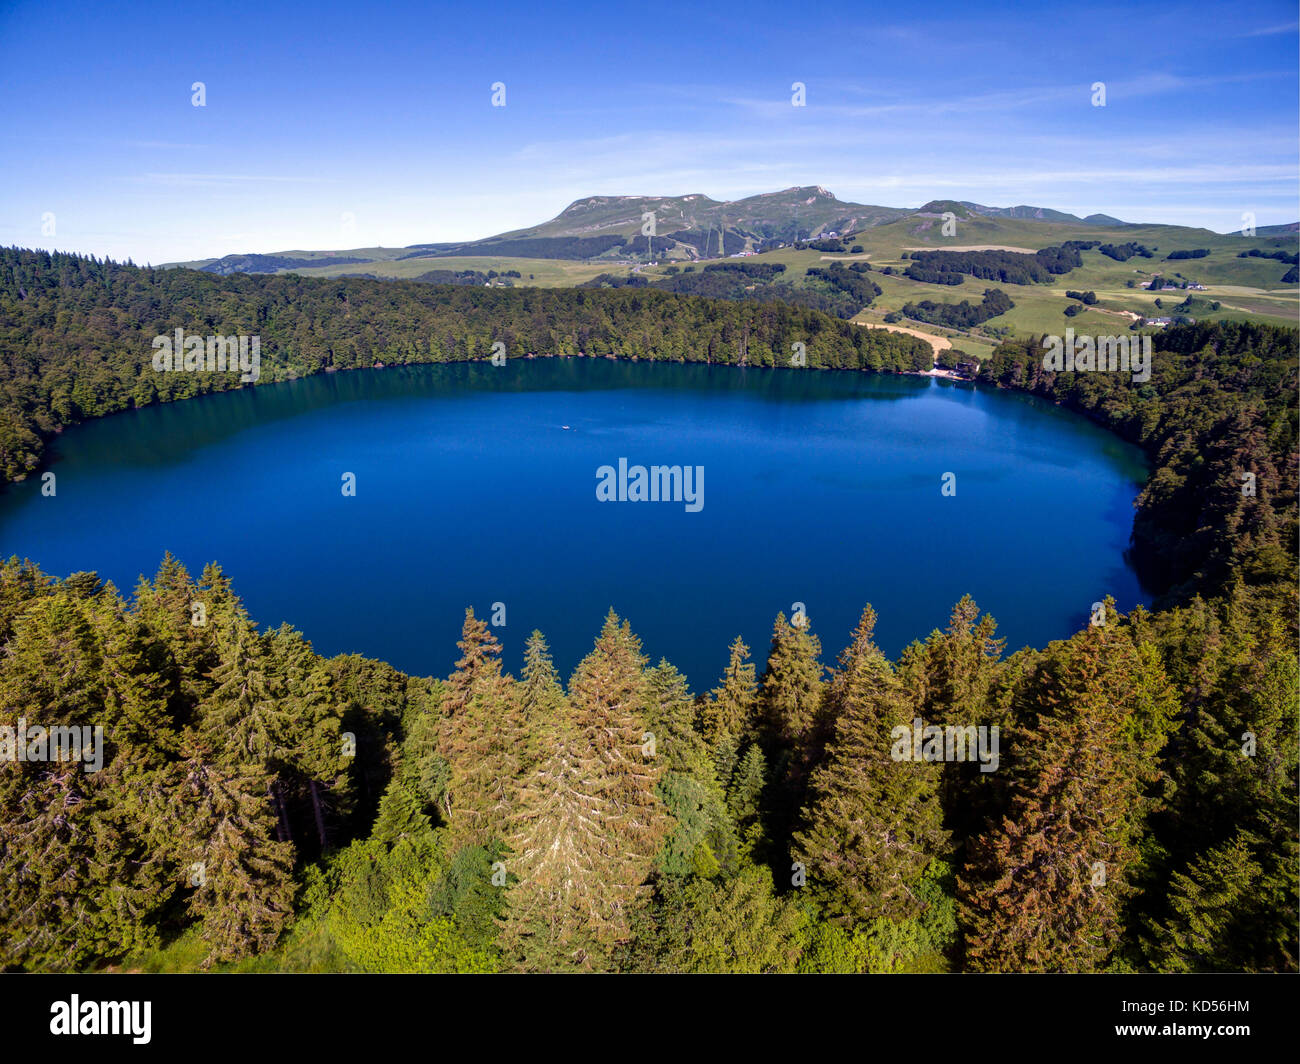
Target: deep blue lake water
{"points": [[820, 488]]}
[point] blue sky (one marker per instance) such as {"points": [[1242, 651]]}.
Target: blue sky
{"points": [[331, 125]]}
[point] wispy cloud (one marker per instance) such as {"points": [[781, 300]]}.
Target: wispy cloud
{"points": [[210, 180], [164, 145], [1270, 31], [950, 103]]}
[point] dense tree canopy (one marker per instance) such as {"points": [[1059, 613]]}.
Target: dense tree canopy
{"points": [[76, 333], [1218, 421], [259, 806]]}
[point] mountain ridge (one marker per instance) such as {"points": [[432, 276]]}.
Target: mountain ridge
{"points": [[689, 227]]}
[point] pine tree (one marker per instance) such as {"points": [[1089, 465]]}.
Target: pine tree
{"points": [[540, 698], [608, 691], [478, 739], [958, 669], [792, 728], [790, 700], [79, 881], [588, 824], [557, 910], [1045, 886], [1234, 801], [244, 720], [1219, 918], [745, 796], [311, 746], [242, 878], [873, 824], [729, 709]]}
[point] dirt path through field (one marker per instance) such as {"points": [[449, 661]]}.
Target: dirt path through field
{"points": [[976, 247], [939, 343]]}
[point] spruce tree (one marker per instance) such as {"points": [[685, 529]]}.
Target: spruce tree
{"points": [[873, 824], [311, 746], [1220, 916], [958, 670], [704, 836], [79, 878], [82, 876], [608, 692], [1045, 885], [790, 699], [792, 728], [1234, 802], [541, 691], [241, 877], [478, 739], [745, 796], [557, 909], [669, 714], [167, 607], [401, 817], [588, 823], [728, 711], [540, 698], [962, 665], [244, 719]]}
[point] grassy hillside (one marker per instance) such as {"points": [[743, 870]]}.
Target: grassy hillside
{"points": [[542, 273], [1236, 288], [771, 215]]}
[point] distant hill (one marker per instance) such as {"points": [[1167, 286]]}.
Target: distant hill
{"points": [[611, 226], [1039, 214], [964, 209], [275, 263], [606, 231]]}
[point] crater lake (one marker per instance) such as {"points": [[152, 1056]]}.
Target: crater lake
{"points": [[477, 485]]}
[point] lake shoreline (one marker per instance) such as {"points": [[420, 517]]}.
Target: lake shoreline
{"points": [[449, 457]]}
